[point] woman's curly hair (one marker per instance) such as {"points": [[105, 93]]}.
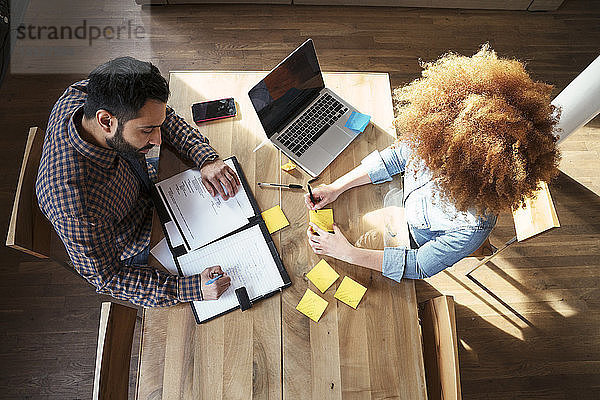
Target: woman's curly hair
{"points": [[482, 126]]}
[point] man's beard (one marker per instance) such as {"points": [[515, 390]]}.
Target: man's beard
{"points": [[118, 143]]}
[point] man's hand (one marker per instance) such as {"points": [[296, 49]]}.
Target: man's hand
{"points": [[329, 244], [218, 287], [216, 175]]}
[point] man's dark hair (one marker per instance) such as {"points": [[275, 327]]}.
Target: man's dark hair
{"points": [[122, 86]]}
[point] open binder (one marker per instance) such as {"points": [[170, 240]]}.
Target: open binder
{"points": [[202, 231]]}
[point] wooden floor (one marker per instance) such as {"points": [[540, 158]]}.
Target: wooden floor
{"points": [[529, 326]]}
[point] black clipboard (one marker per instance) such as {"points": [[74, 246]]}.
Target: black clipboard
{"points": [[165, 216]]}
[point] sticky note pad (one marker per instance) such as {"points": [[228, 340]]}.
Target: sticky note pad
{"points": [[288, 167], [322, 218], [357, 121], [275, 219], [312, 305], [322, 275], [350, 292]]}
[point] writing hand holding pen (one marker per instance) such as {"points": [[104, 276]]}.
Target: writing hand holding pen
{"points": [[321, 196], [213, 282]]}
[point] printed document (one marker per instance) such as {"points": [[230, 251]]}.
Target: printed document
{"points": [[200, 217]]}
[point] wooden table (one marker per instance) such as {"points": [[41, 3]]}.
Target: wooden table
{"points": [[272, 351]]}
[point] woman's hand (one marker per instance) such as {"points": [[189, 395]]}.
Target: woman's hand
{"points": [[323, 195], [329, 244]]}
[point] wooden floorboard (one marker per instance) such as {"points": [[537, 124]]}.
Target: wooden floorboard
{"points": [[528, 329]]}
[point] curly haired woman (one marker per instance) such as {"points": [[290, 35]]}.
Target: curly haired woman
{"points": [[474, 138]]}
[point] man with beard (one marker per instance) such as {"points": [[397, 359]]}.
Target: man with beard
{"points": [[94, 183]]}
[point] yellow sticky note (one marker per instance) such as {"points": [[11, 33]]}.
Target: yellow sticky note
{"points": [[322, 275], [288, 167], [322, 218], [350, 292], [312, 305], [275, 219]]}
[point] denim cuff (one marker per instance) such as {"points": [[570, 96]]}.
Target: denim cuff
{"points": [[189, 288], [394, 261], [410, 265], [375, 167]]}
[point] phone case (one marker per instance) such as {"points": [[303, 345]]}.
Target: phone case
{"points": [[198, 121]]}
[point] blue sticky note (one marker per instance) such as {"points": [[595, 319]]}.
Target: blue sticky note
{"points": [[358, 122]]}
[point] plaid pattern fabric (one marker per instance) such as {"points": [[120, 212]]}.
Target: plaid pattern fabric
{"points": [[98, 208]]}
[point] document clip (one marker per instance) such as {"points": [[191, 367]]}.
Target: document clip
{"points": [[243, 298]]}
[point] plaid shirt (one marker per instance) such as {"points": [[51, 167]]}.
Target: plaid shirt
{"points": [[97, 206]]}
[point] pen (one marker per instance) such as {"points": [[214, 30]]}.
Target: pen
{"points": [[312, 198], [290, 186], [311, 195], [213, 279]]}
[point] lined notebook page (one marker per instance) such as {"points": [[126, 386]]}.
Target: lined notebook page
{"points": [[246, 258]]}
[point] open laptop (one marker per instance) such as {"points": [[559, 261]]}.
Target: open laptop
{"points": [[299, 114]]}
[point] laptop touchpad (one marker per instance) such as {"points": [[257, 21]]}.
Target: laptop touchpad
{"points": [[334, 140]]}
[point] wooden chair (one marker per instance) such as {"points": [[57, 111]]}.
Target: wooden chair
{"points": [[115, 337], [486, 249], [29, 231], [440, 348], [537, 216]]}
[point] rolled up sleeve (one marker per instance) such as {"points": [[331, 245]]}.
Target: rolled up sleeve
{"points": [[382, 166], [395, 260], [189, 288], [434, 256]]}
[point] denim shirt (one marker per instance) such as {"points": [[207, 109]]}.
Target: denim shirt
{"points": [[444, 234]]}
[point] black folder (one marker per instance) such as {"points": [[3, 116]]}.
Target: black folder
{"points": [[164, 213]]}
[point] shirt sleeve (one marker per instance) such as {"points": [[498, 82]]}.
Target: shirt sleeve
{"points": [[187, 139], [434, 256], [91, 247], [382, 166]]}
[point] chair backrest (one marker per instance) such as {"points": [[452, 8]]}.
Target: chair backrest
{"points": [[486, 249], [440, 348], [29, 231], [538, 214], [115, 337]]}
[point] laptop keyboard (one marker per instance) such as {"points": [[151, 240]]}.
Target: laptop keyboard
{"points": [[310, 126]]}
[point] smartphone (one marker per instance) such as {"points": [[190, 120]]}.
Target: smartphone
{"points": [[215, 109]]}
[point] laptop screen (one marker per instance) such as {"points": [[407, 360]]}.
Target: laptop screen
{"points": [[288, 89]]}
